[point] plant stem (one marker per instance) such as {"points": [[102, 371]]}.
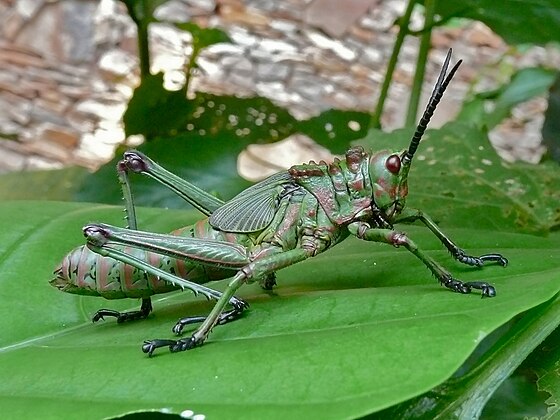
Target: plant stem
{"points": [[403, 31], [425, 43], [190, 66], [143, 42]]}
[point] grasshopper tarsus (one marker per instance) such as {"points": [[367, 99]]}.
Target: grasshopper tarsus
{"points": [[121, 317], [487, 290], [184, 344], [183, 322], [239, 306], [462, 257], [175, 346], [498, 258], [150, 346]]}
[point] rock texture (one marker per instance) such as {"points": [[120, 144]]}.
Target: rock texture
{"points": [[68, 68]]}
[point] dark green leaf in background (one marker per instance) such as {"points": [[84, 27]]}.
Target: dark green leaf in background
{"points": [[518, 22], [142, 11], [203, 37], [524, 85], [545, 363], [335, 129], [551, 125], [516, 399], [253, 119], [154, 111]]}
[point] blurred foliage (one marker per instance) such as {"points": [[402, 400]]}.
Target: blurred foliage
{"points": [[551, 125], [517, 22]]}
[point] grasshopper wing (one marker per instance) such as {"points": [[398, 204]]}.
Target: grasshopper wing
{"points": [[254, 208]]}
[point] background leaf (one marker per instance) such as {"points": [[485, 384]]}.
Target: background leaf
{"points": [[551, 125], [203, 37], [154, 111], [545, 363], [346, 333], [335, 129], [524, 85], [517, 22]]}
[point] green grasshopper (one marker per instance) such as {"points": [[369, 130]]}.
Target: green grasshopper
{"points": [[285, 219]]}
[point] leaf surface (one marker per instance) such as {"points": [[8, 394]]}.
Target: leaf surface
{"points": [[352, 331]]}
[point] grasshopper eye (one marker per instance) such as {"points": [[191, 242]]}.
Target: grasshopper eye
{"points": [[393, 164]]}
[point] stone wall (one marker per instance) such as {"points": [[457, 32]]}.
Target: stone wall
{"points": [[68, 67]]}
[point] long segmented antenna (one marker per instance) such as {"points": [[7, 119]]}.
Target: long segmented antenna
{"points": [[437, 94]]}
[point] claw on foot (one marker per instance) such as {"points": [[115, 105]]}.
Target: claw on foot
{"points": [[498, 258], [175, 346], [487, 290], [239, 306], [185, 344]]}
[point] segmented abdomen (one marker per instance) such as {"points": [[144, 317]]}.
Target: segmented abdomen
{"points": [[84, 272]]}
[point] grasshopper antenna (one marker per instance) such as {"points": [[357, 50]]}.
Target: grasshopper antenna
{"points": [[437, 94]]}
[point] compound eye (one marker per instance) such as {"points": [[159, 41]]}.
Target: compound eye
{"points": [[393, 164]]}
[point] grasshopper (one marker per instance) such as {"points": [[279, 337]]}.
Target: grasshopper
{"points": [[285, 219]]}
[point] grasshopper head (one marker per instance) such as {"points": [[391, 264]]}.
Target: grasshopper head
{"points": [[389, 187]]}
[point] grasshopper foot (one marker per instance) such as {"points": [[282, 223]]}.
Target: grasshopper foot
{"points": [[150, 345], [185, 344], [487, 290], [479, 261], [175, 346], [142, 313], [239, 306]]}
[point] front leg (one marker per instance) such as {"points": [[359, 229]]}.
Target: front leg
{"points": [[389, 236], [411, 215]]}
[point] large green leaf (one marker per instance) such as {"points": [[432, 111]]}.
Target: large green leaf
{"points": [[346, 333], [518, 22], [458, 178]]}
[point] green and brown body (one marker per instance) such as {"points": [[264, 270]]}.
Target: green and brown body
{"points": [[309, 207]]}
